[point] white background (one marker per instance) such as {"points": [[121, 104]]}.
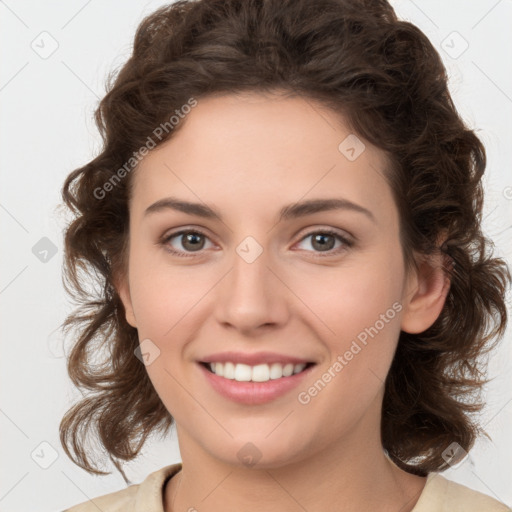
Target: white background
{"points": [[47, 131]]}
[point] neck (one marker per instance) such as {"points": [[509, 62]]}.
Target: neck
{"points": [[355, 474]]}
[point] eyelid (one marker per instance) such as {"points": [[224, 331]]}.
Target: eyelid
{"points": [[316, 228], [184, 229]]}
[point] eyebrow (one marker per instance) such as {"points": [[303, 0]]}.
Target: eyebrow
{"points": [[288, 212]]}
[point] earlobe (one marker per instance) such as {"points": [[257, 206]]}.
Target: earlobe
{"points": [[425, 297], [123, 290]]}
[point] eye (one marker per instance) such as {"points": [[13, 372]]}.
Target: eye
{"points": [[323, 241], [193, 241]]}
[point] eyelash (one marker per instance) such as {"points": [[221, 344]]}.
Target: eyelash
{"points": [[333, 252]]}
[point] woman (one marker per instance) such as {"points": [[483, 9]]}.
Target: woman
{"points": [[320, 346]]}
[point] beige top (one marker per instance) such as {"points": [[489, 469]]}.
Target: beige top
{"points": [[438, 495]]}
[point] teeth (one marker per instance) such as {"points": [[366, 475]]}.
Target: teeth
{"points": [[228, 371], [219, 369], [258, 373], [243, 373]]}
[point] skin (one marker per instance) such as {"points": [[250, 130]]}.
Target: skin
{"points": [[247, 156]]}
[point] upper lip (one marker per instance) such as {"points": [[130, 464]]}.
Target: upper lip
{"points": [[253, 359]]}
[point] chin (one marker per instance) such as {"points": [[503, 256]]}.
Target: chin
{"points": [[260, 451]]}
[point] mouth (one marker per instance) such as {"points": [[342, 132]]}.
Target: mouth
{"points": [[255, 373], [254, 384]]}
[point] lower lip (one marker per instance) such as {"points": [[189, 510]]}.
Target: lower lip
{"points": [[253, 393]]}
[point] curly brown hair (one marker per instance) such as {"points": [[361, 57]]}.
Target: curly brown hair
{"points": [[389, 83]]}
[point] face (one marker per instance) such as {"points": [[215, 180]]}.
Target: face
{"points": [[326, 287]]}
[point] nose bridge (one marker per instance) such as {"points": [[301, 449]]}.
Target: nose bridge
{"points": [[251, 295]]}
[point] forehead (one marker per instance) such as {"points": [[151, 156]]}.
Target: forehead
{"points": [[254, 149]]}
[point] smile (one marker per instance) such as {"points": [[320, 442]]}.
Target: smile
{"points": [[254, 385], [258, 373]]}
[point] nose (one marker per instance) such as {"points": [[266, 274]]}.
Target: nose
{"points": [[252, 296]]}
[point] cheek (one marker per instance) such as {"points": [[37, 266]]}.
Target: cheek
{"points": [[165, 300], [362, 313], [162, 294], [354, 295], [357, 309]]}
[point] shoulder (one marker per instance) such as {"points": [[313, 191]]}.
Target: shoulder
{"points": [[443, 495], [148, 494], [113, 502]]}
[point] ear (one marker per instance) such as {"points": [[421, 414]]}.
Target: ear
{"points": [[123, 289], [425, 294]]}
